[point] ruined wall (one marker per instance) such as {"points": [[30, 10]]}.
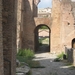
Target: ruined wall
{"points": [[55, 27], [28, 25], [60, 23], [67, 24], [62, 28], [1, 40], [9, 34]]}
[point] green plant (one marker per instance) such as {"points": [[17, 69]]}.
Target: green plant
{"points": [[43, 27], [31, 63], [61, 57], [27, 53]]}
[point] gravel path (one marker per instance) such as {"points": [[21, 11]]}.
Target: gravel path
{"points": [[51, 67]]}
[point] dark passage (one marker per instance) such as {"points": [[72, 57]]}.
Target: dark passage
{"points": [[42, 39]]}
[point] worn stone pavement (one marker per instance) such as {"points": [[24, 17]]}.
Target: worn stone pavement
{"points": [[51, 67]]}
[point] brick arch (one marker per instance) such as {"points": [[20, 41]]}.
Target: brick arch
{"points": [[46, 21], [38, 26]]}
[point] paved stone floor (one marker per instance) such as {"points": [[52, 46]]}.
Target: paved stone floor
{"points": [[51, 67]]}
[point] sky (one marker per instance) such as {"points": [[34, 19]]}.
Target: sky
{"points": [[45, 3]]}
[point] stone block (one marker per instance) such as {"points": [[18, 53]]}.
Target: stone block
{"points": [[70, 55], [73, 57]]}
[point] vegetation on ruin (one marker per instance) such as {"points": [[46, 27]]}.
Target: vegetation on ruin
{"points": [[60, 57], [27, 55]]}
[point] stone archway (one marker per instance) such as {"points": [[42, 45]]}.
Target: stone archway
{"points": [[45, 34]]}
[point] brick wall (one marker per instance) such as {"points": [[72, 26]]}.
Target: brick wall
{"points": [[62, 28], [9, 33], [46, 21], [67, 27], [61, 24], [1, 47], [28, 25], [55, 27]]}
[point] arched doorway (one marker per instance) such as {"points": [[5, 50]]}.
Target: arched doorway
{"points": [[73, 43], [42, 38]]}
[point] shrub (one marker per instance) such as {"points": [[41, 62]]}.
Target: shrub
{"points": [[61, 57], [25, 53]]}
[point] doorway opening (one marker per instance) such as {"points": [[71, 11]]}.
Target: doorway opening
{"points": [[73, 43], [42, 38]]}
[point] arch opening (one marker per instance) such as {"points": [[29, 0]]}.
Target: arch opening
{"points": [[42, 38], [73, 43]]}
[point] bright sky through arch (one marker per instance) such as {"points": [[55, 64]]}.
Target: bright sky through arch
{"points": [[45, 3]]}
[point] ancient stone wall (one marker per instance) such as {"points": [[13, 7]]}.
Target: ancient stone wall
{"points": [[9, 34], [60, 23], [28, 25], [62, 28], [67, 21], [46, 21], [55, 27], [1, 40]]}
